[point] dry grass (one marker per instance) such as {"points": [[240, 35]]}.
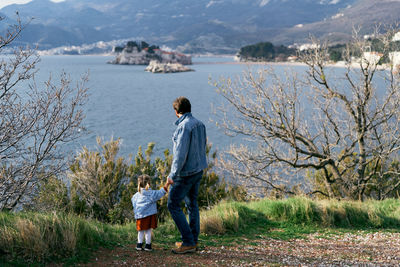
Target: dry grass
{"points": [[35, 237], [220, 219], [30, 239]]}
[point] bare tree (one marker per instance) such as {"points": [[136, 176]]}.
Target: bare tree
{"points": [[34, 122], [338, 126]]}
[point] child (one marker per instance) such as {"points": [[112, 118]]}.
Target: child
{"points": [[145, 208]]}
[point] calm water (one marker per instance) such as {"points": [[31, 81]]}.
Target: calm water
{"points": [[128, 103]]}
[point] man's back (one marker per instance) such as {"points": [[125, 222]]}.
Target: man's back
{"points": [[190, 143], [188, 163]]}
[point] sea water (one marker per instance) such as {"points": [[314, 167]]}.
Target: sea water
{"points": [[136, 106], [129, 103]]}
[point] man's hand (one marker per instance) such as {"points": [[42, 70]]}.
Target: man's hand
{"points": [[168, 183]]}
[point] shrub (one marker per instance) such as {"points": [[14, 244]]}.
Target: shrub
{"points": [[231, 217], [102, 184]]}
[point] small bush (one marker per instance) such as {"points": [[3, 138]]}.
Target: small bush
{"points": [[219, 220], [230, 217]]}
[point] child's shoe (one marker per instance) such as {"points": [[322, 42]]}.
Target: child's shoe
{"points": [[148, 247], [139, 246]]}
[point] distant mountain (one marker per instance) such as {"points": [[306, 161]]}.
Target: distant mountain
{"points": [[197, 26], [338, 28]]}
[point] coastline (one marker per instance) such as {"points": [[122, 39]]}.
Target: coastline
{"points": [[252, 63], [213, 60], [339, 64]]}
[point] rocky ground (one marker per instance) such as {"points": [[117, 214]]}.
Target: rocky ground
{"points": [[330, 249]]}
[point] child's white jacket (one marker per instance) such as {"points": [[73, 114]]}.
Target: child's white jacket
{"points": [[145, 203]]}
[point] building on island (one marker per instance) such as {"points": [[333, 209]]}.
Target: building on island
{"points": [[135, 55]]}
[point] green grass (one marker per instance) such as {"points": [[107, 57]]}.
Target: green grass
{"points": [[295, 217], [37, 238]]}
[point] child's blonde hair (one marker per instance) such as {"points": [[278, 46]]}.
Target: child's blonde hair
{"points": [[143, 182]]}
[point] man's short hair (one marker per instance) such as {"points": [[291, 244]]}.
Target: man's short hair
{"points": [[182, 105]]}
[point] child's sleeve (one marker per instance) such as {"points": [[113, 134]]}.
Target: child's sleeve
{"points": [[133, 199], [157, 194]]}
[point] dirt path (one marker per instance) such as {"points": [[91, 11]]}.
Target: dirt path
{"points": [[360, 249]]}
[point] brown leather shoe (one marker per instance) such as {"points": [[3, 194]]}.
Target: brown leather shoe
{"points": [[184, 249], [179, 244]]}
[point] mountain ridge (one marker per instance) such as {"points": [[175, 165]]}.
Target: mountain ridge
{"points": [[197, 26]]}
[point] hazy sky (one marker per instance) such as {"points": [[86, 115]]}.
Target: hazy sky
{"points": [[4, 3]]}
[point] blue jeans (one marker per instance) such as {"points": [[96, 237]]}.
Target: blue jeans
{"points": [[187, 189]]}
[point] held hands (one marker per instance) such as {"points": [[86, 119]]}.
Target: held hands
{"points": [[169, 182]]}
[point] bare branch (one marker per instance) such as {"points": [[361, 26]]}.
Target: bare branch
{"points": [[34, 122], [344, 126]]}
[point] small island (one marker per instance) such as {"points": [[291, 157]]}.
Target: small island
{"points": [[158, 67], [266, 52], [142, 53]]}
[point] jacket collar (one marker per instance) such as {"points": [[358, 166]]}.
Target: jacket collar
{"points": [[187, 114]]}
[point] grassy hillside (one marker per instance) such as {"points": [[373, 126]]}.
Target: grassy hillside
{"points": [[33, 237]]}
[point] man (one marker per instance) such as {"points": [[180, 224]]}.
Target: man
{"points": [[189, 161]]}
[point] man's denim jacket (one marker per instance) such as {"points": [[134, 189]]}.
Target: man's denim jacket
{"points": [[189, 151]]}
